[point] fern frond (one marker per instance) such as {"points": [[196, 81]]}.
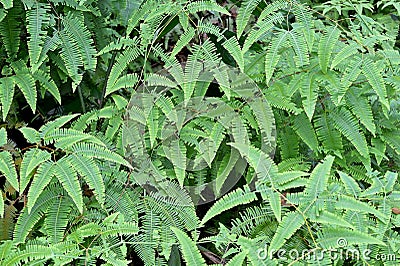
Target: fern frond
{"points": [[299, 45], [184, 40], [238, 259], [54, 124], [246, 9], [318, 180], [350, 203], [7, 168], [272, 9], [232, 46], [287, 227], [29, 254], [26, 84], [68, 178], [326, 132], [264, 26], [41, 179], [90, 172], [345, 122], [95, 151], [326, 45], [347, 51], [71, 56], [272, 56], [121, 64], [77, 31], [203, 5], [309, 93], [350, 184], [26, 221], [47, 83], [361, 108], [304, 17], [3, 136], [1, 206], [38, 17], [7, 4], [57, 219], [304, 128], [10, 30], [6, 95], [376, 81], [231, 200], [190, 252], [328, 238], [32, 159]]}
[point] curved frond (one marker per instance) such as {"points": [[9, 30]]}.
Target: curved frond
{"points": [[190, 252]]}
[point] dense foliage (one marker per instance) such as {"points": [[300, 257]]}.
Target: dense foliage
{"points": [[324, 79]]}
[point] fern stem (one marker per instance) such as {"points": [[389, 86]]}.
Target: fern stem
{"points": [[103, 92], [81, 99]]}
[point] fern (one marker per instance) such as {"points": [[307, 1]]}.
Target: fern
{"points": [[190, 253], [8, 169], [344, 121], [309, 93], [38, 17], [6, 95], [244, 13], [229, 201], [325, 48], [68, 178], [374, 77], [26, 84], [32, 159], [11, 30]]}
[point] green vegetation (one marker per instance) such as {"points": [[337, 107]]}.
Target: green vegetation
{"points": [[306, 115]]}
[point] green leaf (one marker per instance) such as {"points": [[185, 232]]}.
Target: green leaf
{"points": [[69, 180], [38, 17], [350, 203], [345, 122], [304, 128], [273, 55], [90, 172], [350, 184], [318, 180], [231, 200], [99, 152], [326, 45], [375, 78], [3, 136], [232, 46], [6, 95], [40, 180], [1, 205], [190, 252], [7, 4], [246, 9], [7, 168], [31, 134], [238, 259], [47, 83], [74, 26], [309, 93], [26, 84], [330, 238], [289, 225], [32, 159]]}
